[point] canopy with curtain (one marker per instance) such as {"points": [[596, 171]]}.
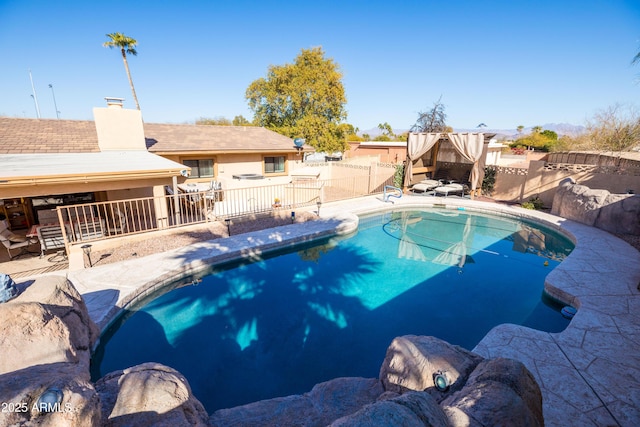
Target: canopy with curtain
{"points": [[417, 145], [471, 146]]}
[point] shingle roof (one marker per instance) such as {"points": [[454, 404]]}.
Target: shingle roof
{"points": [[47, 136], [164, 138], [79, 136]]}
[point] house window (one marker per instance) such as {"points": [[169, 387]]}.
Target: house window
{"points": [[202, 168], [274, 164]]}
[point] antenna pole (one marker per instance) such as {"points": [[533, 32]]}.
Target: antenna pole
{"points": [[54, 101], [35, 98]]}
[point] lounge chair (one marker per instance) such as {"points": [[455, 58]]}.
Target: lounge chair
{"points": [[426, 185], [452, 188], [12, 241]]}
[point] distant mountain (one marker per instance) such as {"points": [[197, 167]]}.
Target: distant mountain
{"points": [[559, 128]]}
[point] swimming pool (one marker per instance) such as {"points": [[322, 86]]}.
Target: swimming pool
{"points": [[279, 325]]}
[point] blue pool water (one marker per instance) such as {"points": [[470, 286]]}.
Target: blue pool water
{"points": [[279, 325]]}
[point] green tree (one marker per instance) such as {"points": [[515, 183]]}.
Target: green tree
{"points": [[520, 129], [350, 132], [127, 45], [636, 59], [241, 121], [549, 134], [215, 121], [433, 120], [543, 140], [386, 129], [305, 99]]}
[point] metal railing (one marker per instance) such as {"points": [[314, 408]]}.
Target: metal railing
{"points": [[110, 219], [395, 192]]}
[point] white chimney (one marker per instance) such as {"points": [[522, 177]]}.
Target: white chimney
{"points": [[119, 128], [114, 102]]}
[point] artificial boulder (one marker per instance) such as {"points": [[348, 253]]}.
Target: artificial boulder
{"points": [[410, 409], [499, 392], [412, 363], [47, 323], [149, 394], [20, 391], [615, 213], [325, 403]]}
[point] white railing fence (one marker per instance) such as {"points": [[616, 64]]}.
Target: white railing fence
{"points": [[102, 220]]}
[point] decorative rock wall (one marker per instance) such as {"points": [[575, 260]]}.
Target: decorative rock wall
{"points": [[615, 213], [46, 335]]}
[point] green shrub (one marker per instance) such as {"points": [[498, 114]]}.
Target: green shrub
{"points": [[534, 203], [489, 180], [398, 177]]}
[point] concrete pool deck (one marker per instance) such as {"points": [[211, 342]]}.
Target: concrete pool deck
{"points": [[589, 374]]}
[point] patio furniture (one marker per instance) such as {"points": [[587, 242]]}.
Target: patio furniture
{"points": [[89, 229], [12, 241], [426, 185], [50, 237], [452, 188], [119, 223]]}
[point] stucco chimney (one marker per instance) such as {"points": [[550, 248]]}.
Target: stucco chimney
{"points": [[119, 128], [114, 102]]}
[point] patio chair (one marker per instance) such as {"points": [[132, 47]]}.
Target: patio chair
{"points": [[12, 241], [89, 229], [426, 185], [50, 237], [119, 222], [452, 188]]}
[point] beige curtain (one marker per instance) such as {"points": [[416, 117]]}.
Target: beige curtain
{"points": [[417, 145], [471, 147]]}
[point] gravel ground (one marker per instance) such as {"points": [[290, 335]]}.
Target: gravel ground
{"points": [[179, 238]]}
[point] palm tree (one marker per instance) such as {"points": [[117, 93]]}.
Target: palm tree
{"points": [[126, 45]]}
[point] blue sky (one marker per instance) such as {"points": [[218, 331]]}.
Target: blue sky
{"points": [[503, 63]]}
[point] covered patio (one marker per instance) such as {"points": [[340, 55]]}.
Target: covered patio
{"points": [[34, 185]]}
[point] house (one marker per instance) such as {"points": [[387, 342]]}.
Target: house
{"points": [[50, 163], [385, 151], [236, 156]]}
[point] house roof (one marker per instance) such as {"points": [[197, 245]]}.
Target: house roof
{"points": [[19, 135], [170, 138], [47, 136]]}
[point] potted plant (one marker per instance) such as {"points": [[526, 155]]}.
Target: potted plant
{"points": [[276, 202]]}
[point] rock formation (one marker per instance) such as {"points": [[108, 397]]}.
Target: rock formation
{"points": [[615, 213], [149, 395], [325, 403], [412, 362], [479, 392], [46, 337]]}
